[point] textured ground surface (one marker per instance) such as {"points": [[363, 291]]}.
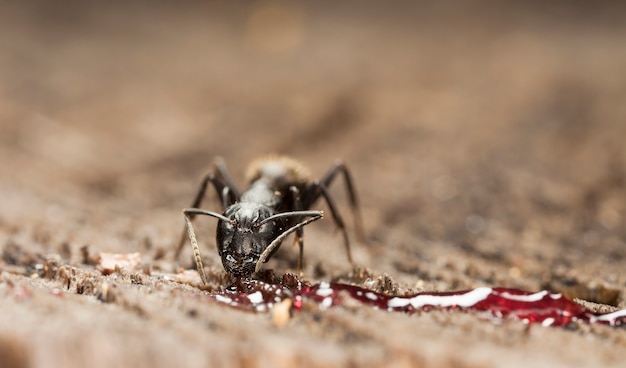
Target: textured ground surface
{"points": [[487, 145]]}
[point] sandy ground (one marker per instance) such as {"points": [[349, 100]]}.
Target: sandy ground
{"points": [[486, 142]]}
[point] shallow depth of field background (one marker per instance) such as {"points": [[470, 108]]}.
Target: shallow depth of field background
{"points": [[486, 140]]}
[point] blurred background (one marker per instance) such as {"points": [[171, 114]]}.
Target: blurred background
{"points": [[486, 140], [487, 130]]}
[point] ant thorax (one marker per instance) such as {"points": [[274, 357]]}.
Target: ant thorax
{"points": [[262, 192]]}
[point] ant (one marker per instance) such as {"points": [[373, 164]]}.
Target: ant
{"points": [[255, 222]]}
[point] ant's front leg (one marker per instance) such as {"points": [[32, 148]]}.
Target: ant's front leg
{"points": [[297, 203], [219, 188], [226, 193], [225, 188], [316, 190], [222, 171], [317, 187]]}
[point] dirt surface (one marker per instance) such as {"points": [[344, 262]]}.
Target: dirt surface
{"points": [[486, 141]]}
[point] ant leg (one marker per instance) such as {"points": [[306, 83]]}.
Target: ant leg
{"points": [[319, 187], [220, 188], [222, 170], [315, 191], [300, 231]]}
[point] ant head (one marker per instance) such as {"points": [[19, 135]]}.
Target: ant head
{"points": [[242, 239]]}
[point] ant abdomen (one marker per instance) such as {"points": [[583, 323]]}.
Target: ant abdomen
{"points": [[281, 171]]}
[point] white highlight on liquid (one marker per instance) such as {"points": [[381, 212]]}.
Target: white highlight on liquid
{"points": [[526, 298], [608, 317], [324, 289], [465, 300], [223, 299], [255, 297], [326, 303]]}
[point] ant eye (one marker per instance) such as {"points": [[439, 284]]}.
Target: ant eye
{"points": [[264, 227]]}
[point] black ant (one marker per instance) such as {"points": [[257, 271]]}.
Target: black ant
{"points": [[255, 222]]}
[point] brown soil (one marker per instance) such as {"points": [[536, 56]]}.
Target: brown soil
{"points": [[486, 141]]}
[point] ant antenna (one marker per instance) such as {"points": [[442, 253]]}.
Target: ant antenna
{"points": [[293, 214], [192, 236]]}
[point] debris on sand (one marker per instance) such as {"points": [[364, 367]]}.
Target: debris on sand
{"points": [[110, 262]]}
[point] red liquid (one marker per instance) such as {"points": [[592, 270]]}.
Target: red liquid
{"points": [[542, 307]]}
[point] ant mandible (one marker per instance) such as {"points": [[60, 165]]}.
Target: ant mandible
{"points": [[255, 222]]}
